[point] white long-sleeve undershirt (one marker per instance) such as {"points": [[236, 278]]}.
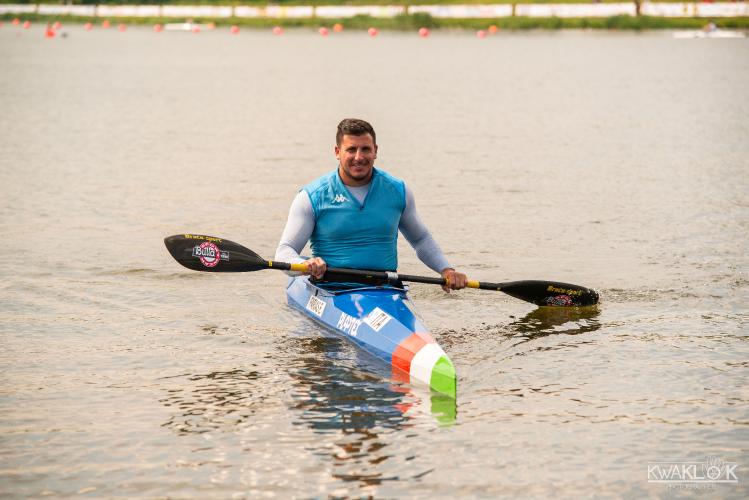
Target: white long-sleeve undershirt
{"points": [[301, 223]]}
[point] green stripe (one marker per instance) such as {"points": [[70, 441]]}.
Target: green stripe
{"points": [[443, 377]]}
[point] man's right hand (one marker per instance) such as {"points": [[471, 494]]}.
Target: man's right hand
{"points": [[316, 267]]}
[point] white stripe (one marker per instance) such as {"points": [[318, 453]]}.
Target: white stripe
{"points": [[424, 361]]}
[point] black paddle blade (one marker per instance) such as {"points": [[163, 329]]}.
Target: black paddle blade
{"points": [[207, 253], [551, 293]]}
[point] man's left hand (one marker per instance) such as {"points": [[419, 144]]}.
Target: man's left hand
{"points": [[455, 280]]}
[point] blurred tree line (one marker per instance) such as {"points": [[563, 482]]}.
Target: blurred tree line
{"points": [[309, 2]]}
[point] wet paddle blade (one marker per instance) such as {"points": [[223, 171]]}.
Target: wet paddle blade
{"points": [[550, 293], [211, 254]]}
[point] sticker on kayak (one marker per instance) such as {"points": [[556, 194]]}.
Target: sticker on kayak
{"points": [[209, 254], [377, 319], [316, 306], [348, 324]]}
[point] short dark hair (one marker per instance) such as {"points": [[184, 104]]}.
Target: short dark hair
{"points": [[354, 126]]}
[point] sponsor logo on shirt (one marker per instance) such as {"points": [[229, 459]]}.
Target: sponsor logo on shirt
{"points": [[339, 198]]}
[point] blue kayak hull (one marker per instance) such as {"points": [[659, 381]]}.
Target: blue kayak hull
{"points": [[380, 320]]}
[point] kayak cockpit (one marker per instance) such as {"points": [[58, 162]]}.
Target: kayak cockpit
{"points": [[340, 287]]}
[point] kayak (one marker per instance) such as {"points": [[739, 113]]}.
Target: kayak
{"points": [[381, 321]]}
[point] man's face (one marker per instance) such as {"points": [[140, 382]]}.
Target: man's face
{"points": [[356, 156]]}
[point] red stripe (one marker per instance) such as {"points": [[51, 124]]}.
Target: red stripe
{"points": [[403, 407], [427, 337], [405, 352]]}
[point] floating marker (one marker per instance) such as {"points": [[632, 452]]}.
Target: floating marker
{"points": [[196, 28], [105, 24], [493, 29], [323, 31], [481, 34], [50, 33], [121, 28], [337, 27], [56, 26], [88, 26], [372, 31], [423, 32], [158, 28], [16, 22], [234, 29], [26, 25], [277, 30]]}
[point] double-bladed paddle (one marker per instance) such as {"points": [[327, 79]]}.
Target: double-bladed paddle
{"points": [[207, 253]]}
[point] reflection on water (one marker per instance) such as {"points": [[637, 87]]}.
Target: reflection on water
{"points": [[545, 321], [537, 324], [332, 396], [342, 387], [347, 394], [333, 391], [340, 393], [214, 401]]}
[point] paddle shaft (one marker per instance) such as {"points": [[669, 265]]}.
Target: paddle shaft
{"points": [[382, 275], [535, 291]]}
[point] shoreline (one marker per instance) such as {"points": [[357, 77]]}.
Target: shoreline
{"points": [[410, 22]]}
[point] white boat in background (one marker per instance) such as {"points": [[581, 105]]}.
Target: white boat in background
{"points": [[188, 27], [716, 33]]}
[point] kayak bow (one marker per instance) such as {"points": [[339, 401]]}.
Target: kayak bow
{"points": [[380, 320]]}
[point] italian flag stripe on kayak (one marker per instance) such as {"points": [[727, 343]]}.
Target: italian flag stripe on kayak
{"points": [[424, 361]]}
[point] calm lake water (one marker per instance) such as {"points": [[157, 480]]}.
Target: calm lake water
{"points": [[615, 161]]}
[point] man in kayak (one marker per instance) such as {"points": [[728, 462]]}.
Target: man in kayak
{"points": [[352, 216]]}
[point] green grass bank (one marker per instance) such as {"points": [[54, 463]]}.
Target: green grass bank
{"points": [[416, 21]]}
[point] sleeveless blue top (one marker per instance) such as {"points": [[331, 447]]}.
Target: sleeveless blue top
{"points": [[352, 234]]}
